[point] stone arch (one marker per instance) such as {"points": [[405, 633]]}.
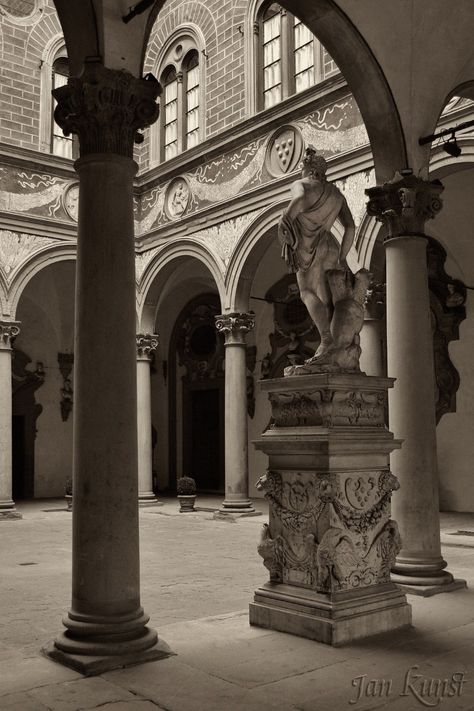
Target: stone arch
{"points": [[247, 255], [48, 255], [4, 309], [43, 33], [249, 251], [159, 269]]}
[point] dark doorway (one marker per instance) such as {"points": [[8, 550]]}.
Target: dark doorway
{"points": [[204, 437], [196, 346], [25, 413]]}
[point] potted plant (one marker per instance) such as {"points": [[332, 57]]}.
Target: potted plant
{"points": [[186, 489], [68, 495]]}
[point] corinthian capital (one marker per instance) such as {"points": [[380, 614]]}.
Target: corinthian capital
{"points": [[235, 326], [105, 108], [8, 331], [405, 203], [147, 343]]}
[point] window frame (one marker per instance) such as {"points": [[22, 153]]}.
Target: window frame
{"points": [[192, 43], [255, 66]]}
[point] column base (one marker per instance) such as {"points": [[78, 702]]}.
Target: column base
{"points": [[425, 587], [93, 665], [423, 576], [8, 511], [335, 619], [238, 507], [148, 498]]}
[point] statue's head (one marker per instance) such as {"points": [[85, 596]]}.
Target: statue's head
{"points": [[313, 165]]}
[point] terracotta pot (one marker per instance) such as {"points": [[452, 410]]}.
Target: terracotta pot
{"points": [[186, 502]]}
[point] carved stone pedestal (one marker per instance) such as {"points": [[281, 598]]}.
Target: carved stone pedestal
{"points": [[330, 543]]}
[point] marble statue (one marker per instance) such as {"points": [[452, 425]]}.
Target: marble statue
{"points": [[331, 293]]}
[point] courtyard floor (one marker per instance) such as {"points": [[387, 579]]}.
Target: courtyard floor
{"points": [[198, 576]]}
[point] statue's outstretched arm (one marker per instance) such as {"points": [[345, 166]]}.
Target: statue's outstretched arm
{"points": [[347, 220]]}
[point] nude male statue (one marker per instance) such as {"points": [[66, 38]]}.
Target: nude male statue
{"points": [[309, 248]]}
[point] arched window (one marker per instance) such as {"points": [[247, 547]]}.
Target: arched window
{"points": [[181, 116], [60, 145], [290, 58]]}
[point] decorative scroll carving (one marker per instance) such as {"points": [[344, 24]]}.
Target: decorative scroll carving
{"points": [[405, 203], [66, 362], [8, 331], [329, 532], [105, 108], [328, 408], [235, 326], [147, 343]]}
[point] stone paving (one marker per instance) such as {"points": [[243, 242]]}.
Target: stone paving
{"points": [[198, 576]]}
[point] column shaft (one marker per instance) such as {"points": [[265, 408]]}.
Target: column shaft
{"points": [[412, 412], [105, 451], [146, 495], [236, 445], [235, 326]]}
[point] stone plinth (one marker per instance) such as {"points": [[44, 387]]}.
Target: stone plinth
{"points": [[330, 543]]}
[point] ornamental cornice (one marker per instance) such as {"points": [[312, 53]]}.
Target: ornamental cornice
{"points": [[106, 108], [147, 343], [405, 203], [8, 331], [235, 327]]}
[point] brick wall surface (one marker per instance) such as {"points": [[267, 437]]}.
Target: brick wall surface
{"points": [[22, 48]]}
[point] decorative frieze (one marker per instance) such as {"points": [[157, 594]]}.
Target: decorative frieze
{"points": [[8, 331], [235, 327], [147, 343], [405, 203], [340, 404], [106, 108]]}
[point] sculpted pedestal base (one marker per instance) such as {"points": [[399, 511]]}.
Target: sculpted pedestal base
{"points": [[330, 542]]}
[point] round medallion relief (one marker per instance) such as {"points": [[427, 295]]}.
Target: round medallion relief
{"points": [[177, 198], [284, 150], [71, 201]]}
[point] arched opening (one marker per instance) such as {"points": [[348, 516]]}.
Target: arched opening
{"points": [[187, 378], [42, 368]]}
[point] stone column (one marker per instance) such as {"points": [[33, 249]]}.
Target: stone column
{"points": [[404, 205], [8, 330], [106, 625], [235, 326], [371, 335], [146, 345]]}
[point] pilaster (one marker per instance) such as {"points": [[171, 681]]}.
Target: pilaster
{"points": [[8, 331]]}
